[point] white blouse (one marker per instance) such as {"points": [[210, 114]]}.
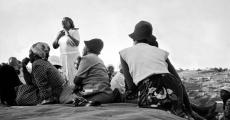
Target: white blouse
{"points": [[144, 60], [64, 47]]}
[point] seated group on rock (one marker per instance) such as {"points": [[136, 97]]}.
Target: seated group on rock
{"points": [[146, 77]]}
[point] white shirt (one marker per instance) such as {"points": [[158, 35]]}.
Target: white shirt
{"points": [[64, 47], [144, 60], [118, 81]]}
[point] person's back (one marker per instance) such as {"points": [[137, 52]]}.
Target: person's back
{"points": [[225, 96], [50, 75], [97, 77], [92, 80], [68, 40], [145, 60]]}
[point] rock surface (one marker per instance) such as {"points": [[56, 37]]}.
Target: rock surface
{"points": [[121, 111]]}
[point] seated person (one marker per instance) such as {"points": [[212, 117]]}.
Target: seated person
{"points": [[9, 82], [18, 67], [225, 96], [146, 71], [92, 80], [43, 85], [118, 81], [118, 86]]}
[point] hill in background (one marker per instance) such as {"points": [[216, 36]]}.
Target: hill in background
{"points": [[203, 86]]}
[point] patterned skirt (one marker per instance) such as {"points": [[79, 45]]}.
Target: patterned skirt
{"points": [[162, 91], [27, 95]]}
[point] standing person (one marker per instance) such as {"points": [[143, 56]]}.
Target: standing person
{"points": [[146, 71], [92, 80], [68, 40]]}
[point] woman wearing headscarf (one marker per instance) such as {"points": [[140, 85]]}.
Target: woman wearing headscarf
{"points": [[68, 40], [146, 71], [92, 80], [45, 83]]}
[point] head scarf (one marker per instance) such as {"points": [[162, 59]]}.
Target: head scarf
{"points": [[40, 49]]}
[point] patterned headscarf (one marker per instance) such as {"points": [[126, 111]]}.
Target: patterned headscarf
{"points": [[41, 49]]}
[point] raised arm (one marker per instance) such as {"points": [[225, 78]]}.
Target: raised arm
{"points": [[55, 43], [27, 76], [74, 38]]}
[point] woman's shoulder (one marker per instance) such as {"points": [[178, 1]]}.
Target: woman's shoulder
{"points": [[125, 50], [90, 59], [40, 62]]}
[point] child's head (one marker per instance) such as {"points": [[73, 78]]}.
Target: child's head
{"points": [[110, 68], [15, 63]]}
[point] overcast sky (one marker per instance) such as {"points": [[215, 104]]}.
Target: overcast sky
{"points": [[194, 32]]}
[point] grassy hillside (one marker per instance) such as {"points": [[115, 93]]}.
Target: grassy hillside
{"points": [[203, 86]]}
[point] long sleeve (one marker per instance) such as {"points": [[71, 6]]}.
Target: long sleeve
{"points": [[27, 76], [172, 70], [128, 79]]}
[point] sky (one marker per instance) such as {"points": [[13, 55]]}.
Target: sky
{"points": [[194, 32]]}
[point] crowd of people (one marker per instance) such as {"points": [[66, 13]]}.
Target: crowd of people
{"points": [[145, 77]]}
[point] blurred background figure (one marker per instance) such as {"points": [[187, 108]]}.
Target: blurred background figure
{"points": [[111, 72], [14, 62], [68, 39], [118, 81], [17, 65], [225, 96]]}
